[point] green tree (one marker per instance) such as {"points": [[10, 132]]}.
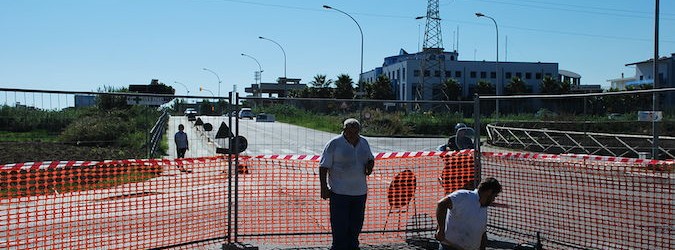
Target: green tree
{"points": [[451, 89], [565, 87], [344, 87], [516, 86], [321, 87], [320, 81], [106, 101], [484, 87], [381, 89], [550, 86]]}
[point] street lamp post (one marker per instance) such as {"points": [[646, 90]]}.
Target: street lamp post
{"points": [[259, 76], [361, 31], [219, 81], [203, 89], [499, 85], [186, 88], [282, 50]]}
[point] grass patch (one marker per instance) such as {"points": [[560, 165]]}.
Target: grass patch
{"points": [[31, 136]]}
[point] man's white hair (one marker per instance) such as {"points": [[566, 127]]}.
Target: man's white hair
{"points": [[351, 122]]}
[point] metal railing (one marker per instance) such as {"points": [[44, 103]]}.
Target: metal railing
{"points": [[156, 133], [558, 141]]}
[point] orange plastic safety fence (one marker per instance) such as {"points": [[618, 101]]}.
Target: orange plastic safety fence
{"points": [[151, 204], [114, 205], [583, 204], [280, 205]]}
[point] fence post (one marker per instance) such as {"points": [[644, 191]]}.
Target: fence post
{"points": [[476, 127]]}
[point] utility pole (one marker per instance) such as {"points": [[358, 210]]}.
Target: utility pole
{"points": [[432, 52]]}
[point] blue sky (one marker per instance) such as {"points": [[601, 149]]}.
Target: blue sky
{"points": [[85, 45]]}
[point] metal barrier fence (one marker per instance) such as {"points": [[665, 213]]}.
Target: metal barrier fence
{"points": [[572, 202], [273, 200], [583, 203]]}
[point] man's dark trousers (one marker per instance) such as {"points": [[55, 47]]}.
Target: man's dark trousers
{"points": [[346, 220]]}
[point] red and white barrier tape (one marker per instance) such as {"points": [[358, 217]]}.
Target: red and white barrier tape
{"points": [[522, 155], [616, 159], [377, 156], [27, 166], [43, 165]]}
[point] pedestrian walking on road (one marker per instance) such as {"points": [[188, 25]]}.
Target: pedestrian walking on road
{"points": [[181, 140], [345, 162], [462, 216]]}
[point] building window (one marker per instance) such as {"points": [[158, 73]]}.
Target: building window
{"points": [[483, 74], [448, 73], [403, 73], [427, 73], [437, 73], [508, 75], [398, 74], [519, 75], [473, 74], [458, 73], [548, 74], [537, 75], [493, 75], [528, 75], [416, 73]]}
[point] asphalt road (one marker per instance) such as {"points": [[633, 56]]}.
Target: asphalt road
{"points": [[276, 138]]}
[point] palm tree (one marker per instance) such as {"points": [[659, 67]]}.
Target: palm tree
{"points": [[321, 87], [381, 89], [516, 86], [451, 89], [550, 86], [484, 87], [320, 81], [344, 87]]}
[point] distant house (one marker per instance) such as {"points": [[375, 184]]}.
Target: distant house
{"points": [[644, 74], [620, 83], [155, 87], [569, 76]]}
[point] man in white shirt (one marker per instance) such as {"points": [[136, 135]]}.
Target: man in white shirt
{"points": [[462, 216], [345, 162]]}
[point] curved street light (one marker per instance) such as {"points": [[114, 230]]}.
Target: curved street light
{"points": [[256, 61], [499, 85], [186, 88], [361, 31], [282, 50], [219, 81], [203, 89]]}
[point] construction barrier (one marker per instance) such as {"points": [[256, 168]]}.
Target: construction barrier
{"points": [[577, 203], [273, 201], [280, 204]]}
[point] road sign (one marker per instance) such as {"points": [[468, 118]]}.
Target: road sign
{"points": [[650, 116]]}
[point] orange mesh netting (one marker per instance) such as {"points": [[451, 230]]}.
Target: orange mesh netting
{"points": [[280, 204], [276, 202], [113, 205], [583, 204]]}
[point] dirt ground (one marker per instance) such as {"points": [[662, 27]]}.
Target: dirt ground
{"points": [[18, 152]]}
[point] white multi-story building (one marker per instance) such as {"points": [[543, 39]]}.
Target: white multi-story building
{"points": [[644, 74], [405, 72]]}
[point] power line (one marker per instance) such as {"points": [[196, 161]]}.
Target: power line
{"points": [[445, 20], [582, 9]]}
